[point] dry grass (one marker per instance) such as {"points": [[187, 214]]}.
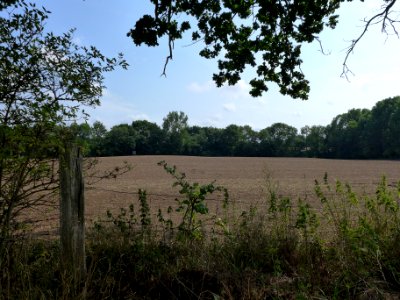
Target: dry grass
{"points": [[244, 178]]}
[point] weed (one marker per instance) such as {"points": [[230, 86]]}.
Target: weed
{"points": [[193, 201]]}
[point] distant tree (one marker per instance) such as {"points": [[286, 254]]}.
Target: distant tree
{"points": [[359, 133], [314, 141], [97, 139], [82, 133], [265, 35], [197, 142], [231, 137], [266, 146], [346, 134], [214, 145], [382, 128], [175, 132], [149, 137], [392, 134], [283, 139], [248, 144], [120, 140], [305, 132], [175, 122]]}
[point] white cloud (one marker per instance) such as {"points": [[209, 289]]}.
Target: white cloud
{"points": [[261, 100], [376, 86], [114, 110], [296, 114], [330, 102], [216, 117], [240, 91], [139, 117], [237, 91], [388, 78], [113, 104], [196, 87], [231, 107]]}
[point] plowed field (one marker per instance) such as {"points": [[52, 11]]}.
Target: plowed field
{"points": [[247, 180]]}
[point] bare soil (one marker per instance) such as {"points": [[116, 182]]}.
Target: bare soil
{"points": [[246, 179]]}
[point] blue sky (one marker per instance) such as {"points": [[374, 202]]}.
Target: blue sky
{"points": [[140, 92]]}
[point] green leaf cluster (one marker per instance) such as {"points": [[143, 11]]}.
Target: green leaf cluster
{"points": [[193, 201], [46, 80], [265, 35]]}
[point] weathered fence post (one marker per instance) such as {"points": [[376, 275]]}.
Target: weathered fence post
{"points": [[72, 208]]}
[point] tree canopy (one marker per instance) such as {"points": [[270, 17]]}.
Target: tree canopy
{"points": [[46, 81], [358, 133], [265, 35]]}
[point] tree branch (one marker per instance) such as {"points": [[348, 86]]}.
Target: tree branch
{"points": [[169, 57], [322, 50], [383, 17], [170, 43]]}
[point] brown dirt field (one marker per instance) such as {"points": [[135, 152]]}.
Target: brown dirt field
{"points": [[245, 179]]}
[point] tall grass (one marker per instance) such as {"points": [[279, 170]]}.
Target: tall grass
{"points": [[283, 249]]}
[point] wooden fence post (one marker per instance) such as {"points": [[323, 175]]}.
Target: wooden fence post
{"points": [[72, 209]]}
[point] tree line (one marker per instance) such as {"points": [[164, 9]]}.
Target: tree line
{"points": [[359, 133]]}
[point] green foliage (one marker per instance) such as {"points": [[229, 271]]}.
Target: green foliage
{"points": [[96, 141], [243, 31], [120, 140], [175, 132], [127, 223], [166, 223], [149, 137], [315, 144], [346, 135], [45, 82], [359, 133], [367, 230], [7, 3], [193, 201], [381, 133], [145, 219], [265, 36]]}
